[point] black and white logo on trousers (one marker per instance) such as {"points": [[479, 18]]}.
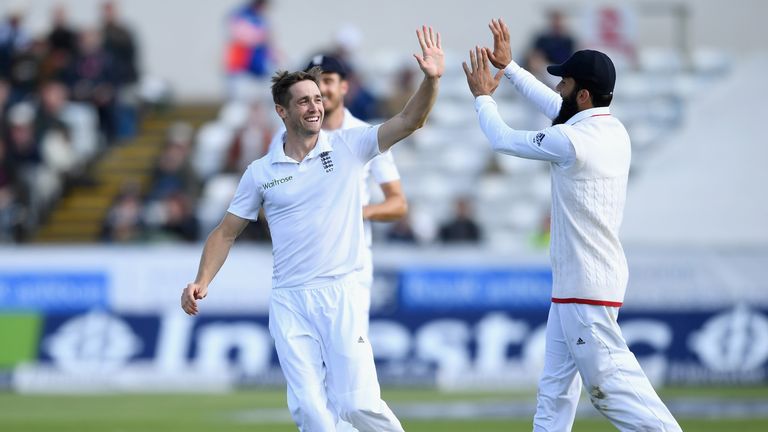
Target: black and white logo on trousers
{"points": [[539, 138], [325, 158]]}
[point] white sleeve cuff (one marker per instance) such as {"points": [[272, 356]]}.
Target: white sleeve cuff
{"points": [[511, 69], [482, 100]]}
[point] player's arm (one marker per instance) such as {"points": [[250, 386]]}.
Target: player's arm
{"points": [[544, 98], [414, 114], [392, 208], [549, 145], [215, 252]]}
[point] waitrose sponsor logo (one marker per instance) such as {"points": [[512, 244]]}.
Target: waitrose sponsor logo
{"points": [[276, 182]]}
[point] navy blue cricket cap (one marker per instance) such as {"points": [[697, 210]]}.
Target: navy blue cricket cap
{"points": [[592, 67], [328, 64]]}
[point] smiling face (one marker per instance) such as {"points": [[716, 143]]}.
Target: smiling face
{"points": [[304, 113]]}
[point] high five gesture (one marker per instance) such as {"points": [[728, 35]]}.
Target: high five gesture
{"points": [[414, 114], [501, 55], [432, 59]]}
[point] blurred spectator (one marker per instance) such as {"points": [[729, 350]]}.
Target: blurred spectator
{"points": [[173, 173], [5, 101], [22, 146], [554, 43], [124, 222], [462, 228], [404, 87], [92, 79], [62, 43], [120, 43], [25, 151], [53, 97], [360, 101], [249, 55], [13, 40], [57, 152], [26, 69], [540, 238], [252, 142], [62, 38], [11, 209], [401, 231], [171, 218]]}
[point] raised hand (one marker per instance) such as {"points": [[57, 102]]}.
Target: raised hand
{"points": [[501, 55], [432, 59], [479, 75]]}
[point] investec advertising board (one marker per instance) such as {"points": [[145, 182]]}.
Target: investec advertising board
{"points": [[89, 324]]}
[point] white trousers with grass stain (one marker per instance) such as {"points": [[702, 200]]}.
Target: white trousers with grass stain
{"points": [[584, 344]]}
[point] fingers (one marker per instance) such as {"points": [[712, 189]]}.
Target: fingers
{"points": [[473, 61], [467, 72], [500, 30], [189, 297], [489, 53], [484, 56], [504, 30], [420, 60], [428, 37], [422, 42], [188, 303], [482, 59]]}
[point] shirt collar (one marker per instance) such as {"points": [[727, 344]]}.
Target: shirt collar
{"points": [[581, 115], [277, 152], [347, 119]]}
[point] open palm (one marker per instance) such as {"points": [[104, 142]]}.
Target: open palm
{"points": [[432, 59]]}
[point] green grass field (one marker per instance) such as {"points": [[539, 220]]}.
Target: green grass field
{"points": [[222, 413]]}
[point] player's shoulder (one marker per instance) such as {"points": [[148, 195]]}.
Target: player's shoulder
{"points": [[350, 121], [385, 158], [259, 167], [350, 135]]}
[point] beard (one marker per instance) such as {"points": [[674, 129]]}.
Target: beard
{"points": [[568, 109]]}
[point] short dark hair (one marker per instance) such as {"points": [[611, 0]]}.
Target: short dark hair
{"points": [[599, 98], [283, 80]]}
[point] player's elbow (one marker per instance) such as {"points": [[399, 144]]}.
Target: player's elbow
{"points": [[399, 208]]}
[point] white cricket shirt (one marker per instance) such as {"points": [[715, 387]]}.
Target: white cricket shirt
{"points": [[313, 207], [589, 157], [381, 168]]}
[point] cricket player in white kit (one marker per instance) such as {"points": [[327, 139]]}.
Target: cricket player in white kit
{"points": [[589, 154], [382, 169], [309, 191]]}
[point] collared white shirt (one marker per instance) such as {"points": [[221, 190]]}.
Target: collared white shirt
{"points": [[590, 156], [313, 206], [381, 169]]}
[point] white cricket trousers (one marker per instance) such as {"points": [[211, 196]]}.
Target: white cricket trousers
{"points": [[586, 341], [322, 344]]}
